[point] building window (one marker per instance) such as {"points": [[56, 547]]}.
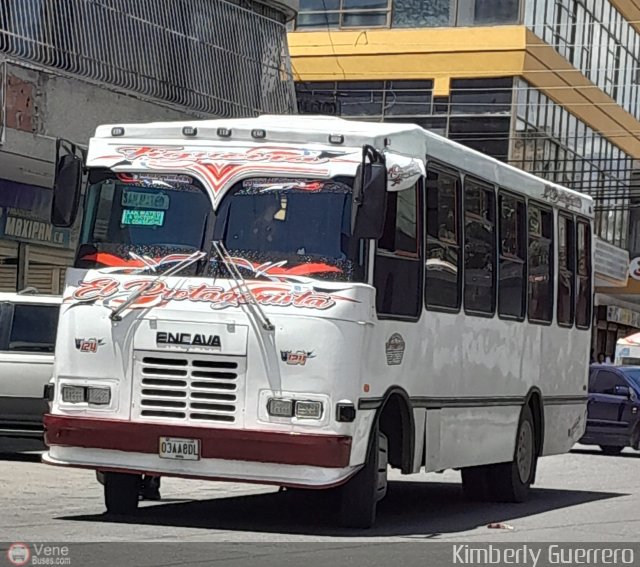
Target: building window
{"points": [[398, 264], [496, 12], [421, 14], [540, 267], [566, 270], [344, 13], [553, 144], [513, 254], [479, 248], [594, 38], [584, 299], [479, 96], [487, 134], [443, 241]]}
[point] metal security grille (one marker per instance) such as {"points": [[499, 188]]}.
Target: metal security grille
{"points": [[215, 57], [188, 388]]}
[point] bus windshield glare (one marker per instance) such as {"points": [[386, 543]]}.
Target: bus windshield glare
{"points": [[272, 228]]}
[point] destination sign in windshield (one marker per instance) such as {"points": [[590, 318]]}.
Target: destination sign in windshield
{"points": [[134, 217]]}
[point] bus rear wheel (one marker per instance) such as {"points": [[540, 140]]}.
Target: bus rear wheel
{"points": [[360, 495], [121, 492], [510, 482]]}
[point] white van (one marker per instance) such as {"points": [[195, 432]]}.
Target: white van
{"points": [[628, 351], [28, 325]]}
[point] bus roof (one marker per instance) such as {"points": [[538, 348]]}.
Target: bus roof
{"points": [[405, 139]]}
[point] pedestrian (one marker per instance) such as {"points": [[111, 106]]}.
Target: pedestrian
{"points": [[601, 358]]}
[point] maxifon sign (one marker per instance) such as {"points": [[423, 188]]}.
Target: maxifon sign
{"points": [[24, 215]]}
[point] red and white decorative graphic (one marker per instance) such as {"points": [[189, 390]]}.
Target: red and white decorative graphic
{"points": [[277, 271], [113, 292], [220, 167]]}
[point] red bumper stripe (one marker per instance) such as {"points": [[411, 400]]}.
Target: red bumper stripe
{"points": [[330, 451]]}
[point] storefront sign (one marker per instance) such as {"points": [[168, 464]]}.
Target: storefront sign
{"points": [[623, 316], [24, 215], [611, 264], [15, 224]]}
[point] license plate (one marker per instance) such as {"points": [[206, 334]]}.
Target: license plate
{"points": [[179, 449]]}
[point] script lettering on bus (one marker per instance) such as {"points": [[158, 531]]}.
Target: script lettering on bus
{"points": [[155, 294], [181, 154], [555, 195]]}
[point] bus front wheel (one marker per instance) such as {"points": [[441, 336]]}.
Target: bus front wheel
{"points": [[360, 495], [121, 492]]}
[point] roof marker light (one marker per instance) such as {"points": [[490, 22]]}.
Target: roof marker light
{"points": [[224, 132], [336, 139], [117, 131], [189, 131], [258, 133]]}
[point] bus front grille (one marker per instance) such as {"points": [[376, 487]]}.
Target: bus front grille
{"points": [[192, 388]]}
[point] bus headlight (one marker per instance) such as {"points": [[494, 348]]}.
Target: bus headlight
{"points": [[280, 408], [302, 409], [98, 396], [73, 394], [309, 410]]}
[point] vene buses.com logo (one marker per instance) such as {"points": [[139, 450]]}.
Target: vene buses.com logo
{"points": [[18, 554]]}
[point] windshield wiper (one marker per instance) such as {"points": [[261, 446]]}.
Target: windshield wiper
{"points": [[241, 283], [198, 255]]}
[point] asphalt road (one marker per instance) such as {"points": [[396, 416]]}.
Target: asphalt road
{"points": [[583, 496]]}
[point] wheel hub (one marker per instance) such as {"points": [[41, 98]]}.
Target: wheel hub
{"points": [[524, 452]]}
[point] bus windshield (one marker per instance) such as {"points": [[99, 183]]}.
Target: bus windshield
{"points": [[290, 229], [141, 215], [279, 229]]}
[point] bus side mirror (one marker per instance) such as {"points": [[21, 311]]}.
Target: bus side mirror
{"points": [[369, 200], [67, 186]]}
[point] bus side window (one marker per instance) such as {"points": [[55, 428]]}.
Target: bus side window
{"points": [[583, 304], [479, 248], [540, 269], [398, 265], [443, 281], [566, 270], [513, 255]]}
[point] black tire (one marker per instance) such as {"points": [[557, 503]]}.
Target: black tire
{"points": [[359, 497], [635, 438], [611, 450], [121, 492], [475, 485], [510, 482]]}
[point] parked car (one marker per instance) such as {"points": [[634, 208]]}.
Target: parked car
{"points": [[28, 325], [613, 411]]}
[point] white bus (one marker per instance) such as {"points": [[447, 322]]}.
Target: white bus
{"points": [[305, 301]]}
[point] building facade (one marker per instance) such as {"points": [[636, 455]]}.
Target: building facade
{"points": [[66, 67], [550, 86]]}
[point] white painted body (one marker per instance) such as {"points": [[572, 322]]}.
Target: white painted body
{"points": [[447, 357]]}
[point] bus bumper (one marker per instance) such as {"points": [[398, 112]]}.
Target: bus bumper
{"points": [[269, 457]]}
